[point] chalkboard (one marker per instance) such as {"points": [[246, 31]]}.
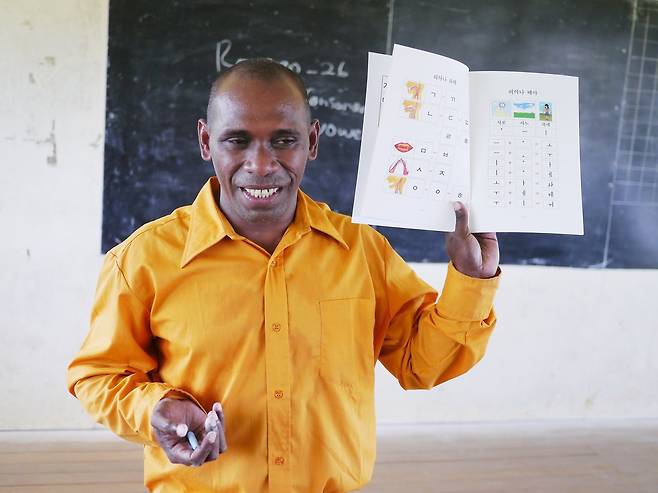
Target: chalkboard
{"points": [[163, 57]]}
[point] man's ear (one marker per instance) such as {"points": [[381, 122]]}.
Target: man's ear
{"points": [[313, 140], [203, 132]]}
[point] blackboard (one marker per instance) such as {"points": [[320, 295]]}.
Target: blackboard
{"points": [[163, 56]]}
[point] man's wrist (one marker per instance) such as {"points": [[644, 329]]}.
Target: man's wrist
{"points": [[476, 274]]}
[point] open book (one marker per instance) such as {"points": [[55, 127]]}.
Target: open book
{"points": [[504, 143]]}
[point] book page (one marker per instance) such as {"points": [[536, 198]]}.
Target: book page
{"points": [[378, 69], [420, 157], [525, 153]]}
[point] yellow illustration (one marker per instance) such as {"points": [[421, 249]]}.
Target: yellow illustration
{"points": [[415, 89], [396, 183], [411, 108]]}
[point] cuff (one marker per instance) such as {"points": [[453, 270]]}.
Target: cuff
{"points": [[467, 298]]}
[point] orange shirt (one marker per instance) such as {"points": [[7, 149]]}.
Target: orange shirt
{"points": [[287, 343]]}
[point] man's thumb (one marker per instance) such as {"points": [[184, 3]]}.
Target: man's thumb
{"points": [[159, 422], [461, 219]]}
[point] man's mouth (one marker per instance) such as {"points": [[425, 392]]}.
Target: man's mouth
{"points": [[260, 193]]}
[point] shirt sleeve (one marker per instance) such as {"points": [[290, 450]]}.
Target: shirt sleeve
{"points": [[115, 373], [427, 342]]}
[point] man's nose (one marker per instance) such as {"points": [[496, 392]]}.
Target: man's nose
{"points": [[261, 160]]}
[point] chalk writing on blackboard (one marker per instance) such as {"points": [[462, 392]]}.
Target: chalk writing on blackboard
{"points": [[316, 98], [323, 67]]}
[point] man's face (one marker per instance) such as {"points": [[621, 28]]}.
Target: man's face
{"points": [[259, 138]]}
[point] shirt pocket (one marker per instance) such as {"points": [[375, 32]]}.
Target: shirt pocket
{"points": [[346, 350]]}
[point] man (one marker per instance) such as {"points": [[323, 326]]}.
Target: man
{"points": [[253, 318]]}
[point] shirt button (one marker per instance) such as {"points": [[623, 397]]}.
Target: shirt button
{"points": [[278, 394], [276, 327], [279, 461], [273, 263]]}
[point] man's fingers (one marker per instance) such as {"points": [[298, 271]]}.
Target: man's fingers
{"points": [[222, 440], [217, 408], [461, 219], [181, 430], [199, 456], [212, 422], [213, 426], [214, 453], [178, 432]]}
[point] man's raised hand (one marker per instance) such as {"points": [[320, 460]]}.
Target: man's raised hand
{"points": [[473, 254]]}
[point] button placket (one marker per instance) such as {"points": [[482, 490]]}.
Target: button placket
{"points": [[277, 363]]}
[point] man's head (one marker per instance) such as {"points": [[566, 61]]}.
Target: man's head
{"points": [[259, 136], [262, 69]]}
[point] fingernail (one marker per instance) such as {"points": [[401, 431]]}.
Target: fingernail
{"points": [[456, 206], [212, 436], [181, 430], [219, 407]]}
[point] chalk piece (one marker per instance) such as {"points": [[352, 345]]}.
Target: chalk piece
{"points": [[194, 443]]}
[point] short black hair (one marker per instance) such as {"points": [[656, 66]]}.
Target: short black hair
{"points": [[261, 69]]}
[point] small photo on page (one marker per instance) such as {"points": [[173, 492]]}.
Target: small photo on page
{"points": [[524, 109], [501, 109], [546, 111]]}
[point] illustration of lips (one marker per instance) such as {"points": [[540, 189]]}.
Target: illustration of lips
{"points": [[403, 146]]}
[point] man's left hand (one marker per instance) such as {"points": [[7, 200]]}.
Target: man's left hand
{"points": [[473, 254]]}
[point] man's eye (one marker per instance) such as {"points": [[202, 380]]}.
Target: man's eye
{"points": [[236, 141], [285, 142]]}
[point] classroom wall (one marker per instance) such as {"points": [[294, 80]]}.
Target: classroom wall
{"points": [[571, 343]]}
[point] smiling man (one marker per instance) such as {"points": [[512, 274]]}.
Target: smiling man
{"points": [[259, 136], [253, 318]]}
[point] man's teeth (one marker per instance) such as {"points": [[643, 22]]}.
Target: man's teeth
{"points": [[261, 193]]}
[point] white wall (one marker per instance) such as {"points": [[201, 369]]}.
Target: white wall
{"points": [[52, 100], [570, 343]]}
